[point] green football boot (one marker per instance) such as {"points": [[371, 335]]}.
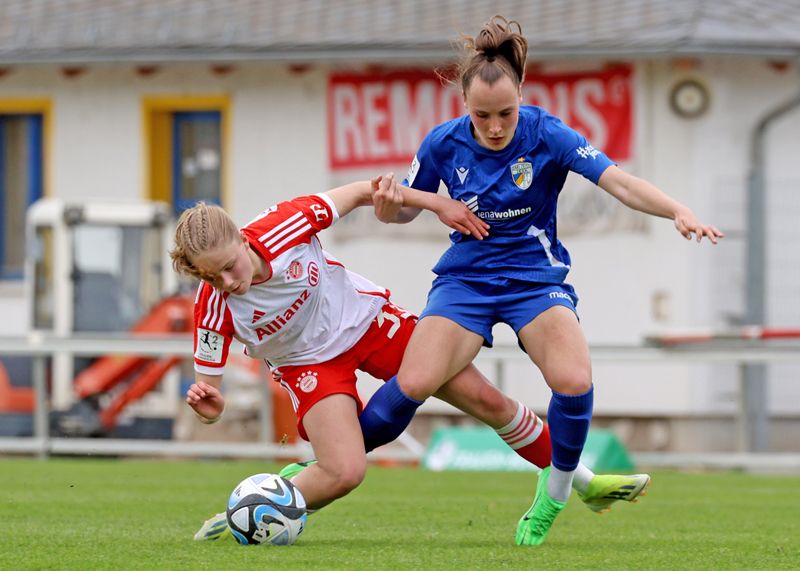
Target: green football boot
{"points": [[291, 470], [214, 528], [537, 521], [606, 489]]}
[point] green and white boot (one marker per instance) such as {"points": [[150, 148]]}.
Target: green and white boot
{"points": [[214, 528], [537, 521], [291, 470], [606, 489]]}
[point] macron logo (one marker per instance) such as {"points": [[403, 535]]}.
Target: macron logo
{"points": [[560, 295], [462, 173], [257, 315]]}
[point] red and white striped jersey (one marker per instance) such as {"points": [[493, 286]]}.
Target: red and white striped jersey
{"points": [[310, 310]]}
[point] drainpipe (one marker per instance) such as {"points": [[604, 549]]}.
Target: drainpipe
{"points": [[755, 415]]}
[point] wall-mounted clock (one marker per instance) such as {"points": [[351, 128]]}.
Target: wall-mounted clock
{"points": [[689, 98]]}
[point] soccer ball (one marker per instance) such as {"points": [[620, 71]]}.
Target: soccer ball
{"points": [[266, 508]]}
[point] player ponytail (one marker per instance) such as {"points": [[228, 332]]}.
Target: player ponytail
{"points": [[499, 49], [200, 229]]}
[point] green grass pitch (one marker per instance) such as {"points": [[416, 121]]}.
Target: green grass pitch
{"points": [[137, 514]]}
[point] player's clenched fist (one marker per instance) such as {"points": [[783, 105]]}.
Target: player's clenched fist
{"points": [[386, 198]]}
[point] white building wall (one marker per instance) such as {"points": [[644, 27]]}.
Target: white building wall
{"points": [[278, 145], [278, 149]]}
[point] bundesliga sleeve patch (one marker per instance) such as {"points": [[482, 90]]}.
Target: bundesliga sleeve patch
{"points": [[412, 171], [209, 346]]}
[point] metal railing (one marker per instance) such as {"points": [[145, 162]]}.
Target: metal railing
{"points": [[41, 347]]}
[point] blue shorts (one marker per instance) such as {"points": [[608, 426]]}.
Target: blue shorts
{"points": [[478, 306]]}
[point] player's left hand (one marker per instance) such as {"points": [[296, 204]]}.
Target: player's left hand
{"points": [[688, 225], [459, 217], [205, 400]]}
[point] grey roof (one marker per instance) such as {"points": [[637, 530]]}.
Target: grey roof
{"points": [[65, 31]]}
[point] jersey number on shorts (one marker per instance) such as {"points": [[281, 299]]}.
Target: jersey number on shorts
{"points": [[391, 318]]}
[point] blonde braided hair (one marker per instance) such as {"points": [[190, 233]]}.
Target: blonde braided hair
{"points": [[200, 229]]}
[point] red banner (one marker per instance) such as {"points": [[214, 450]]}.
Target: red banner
{"points": [[381, 118]]}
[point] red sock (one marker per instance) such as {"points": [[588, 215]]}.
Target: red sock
{"points": [[529, 436]]}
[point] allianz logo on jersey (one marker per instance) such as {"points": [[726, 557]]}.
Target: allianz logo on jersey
{"points": [[277, 323], [472, 204]]}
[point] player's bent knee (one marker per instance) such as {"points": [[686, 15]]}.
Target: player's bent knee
{"points": [[418, 386], [572, 384], [343, 476], [348, 480]]}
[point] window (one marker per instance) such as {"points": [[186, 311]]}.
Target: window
{"points": [[20, 185], [196, 156], [186, 149]]}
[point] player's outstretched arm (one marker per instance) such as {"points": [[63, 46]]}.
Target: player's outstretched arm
{"points": [[205, 397], [399, 204], [351, 196], [641, 195]]}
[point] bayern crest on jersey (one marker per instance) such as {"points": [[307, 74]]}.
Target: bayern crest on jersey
{"points": [[522, 173], [295, 270]]}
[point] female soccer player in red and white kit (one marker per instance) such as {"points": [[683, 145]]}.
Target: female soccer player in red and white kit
{"points": [[272, 286]]}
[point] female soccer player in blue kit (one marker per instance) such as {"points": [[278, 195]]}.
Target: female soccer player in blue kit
{"points": [[508, 162]]}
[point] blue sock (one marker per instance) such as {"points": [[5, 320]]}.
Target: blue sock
{"points": [[386, 415], [569, 417]]}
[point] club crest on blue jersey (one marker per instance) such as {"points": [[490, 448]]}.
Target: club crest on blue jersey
{"points": [[522, 173]]}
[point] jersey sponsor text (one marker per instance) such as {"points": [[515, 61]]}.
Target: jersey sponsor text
{"points": [[510, 213], [278, 322]]}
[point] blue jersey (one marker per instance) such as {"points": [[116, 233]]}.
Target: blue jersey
{"points": [[515, 190]]}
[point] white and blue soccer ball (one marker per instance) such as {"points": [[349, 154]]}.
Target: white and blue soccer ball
{"points": [[266, 509]]}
